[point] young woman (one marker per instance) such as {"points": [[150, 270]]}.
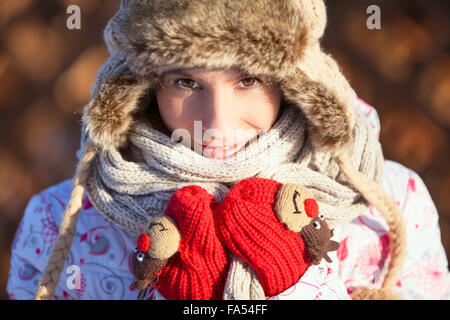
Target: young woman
{"points": [[202, 112]]}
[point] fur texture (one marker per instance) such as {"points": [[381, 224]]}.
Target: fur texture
{"points": [[114, 99], [279, 39], [262, 37], [330, 125]]}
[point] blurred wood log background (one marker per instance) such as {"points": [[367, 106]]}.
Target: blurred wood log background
{"points": [[46, 71]]}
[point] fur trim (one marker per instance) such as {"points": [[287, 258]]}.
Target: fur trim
{"points": [[321, 91], [262, 37], [329, 125], [114, 99]]}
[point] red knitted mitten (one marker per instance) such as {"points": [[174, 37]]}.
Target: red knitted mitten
{"points": [[199, 269], [250, 229]]}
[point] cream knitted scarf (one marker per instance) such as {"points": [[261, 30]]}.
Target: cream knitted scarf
{"points": [[132, 186]]}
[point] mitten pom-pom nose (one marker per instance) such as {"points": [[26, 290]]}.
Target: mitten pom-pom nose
{"points": [[311, 207], [143, 242]]}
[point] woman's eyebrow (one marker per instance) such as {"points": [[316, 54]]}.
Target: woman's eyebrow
{"points": [[185, 73], [180, 72]]}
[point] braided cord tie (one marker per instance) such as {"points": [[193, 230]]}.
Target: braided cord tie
{"points": [[61, 248], [388, 208]]}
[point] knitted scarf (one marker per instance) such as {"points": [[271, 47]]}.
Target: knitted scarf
{"points": [[132, 185]]}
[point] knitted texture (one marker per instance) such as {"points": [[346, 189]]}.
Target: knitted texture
{"points": [[198, 270], [242, 282], [316, 236], [164, 237], [311, 207], [146, 271], [293, 206], [154, 248], [249, 228], [143, 242]]}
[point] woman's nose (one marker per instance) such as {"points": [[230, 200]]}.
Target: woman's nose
{"points": [[219, 114]]}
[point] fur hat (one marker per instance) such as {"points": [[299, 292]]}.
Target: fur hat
{"points": [[275, 38], [279, 39]]}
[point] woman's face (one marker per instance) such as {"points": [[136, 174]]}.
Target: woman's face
{"points": [[215, 112]]}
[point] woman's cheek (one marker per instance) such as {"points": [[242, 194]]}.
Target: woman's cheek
{"points": [[171, 111], [262, 118]]}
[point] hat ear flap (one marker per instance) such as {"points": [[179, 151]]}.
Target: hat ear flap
{"points": [[325, 97], [114, 98]]}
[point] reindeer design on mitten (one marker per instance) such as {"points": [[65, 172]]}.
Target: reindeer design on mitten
{"points": [[298, 210], [180, 253], [276, 228], [153, 250]]}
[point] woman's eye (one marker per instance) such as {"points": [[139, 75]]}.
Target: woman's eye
{"points": [[186, 83], [249, 82]]}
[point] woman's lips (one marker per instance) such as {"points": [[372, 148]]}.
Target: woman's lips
{"points": [[222, 147], [220, 144], [221, 151]]}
